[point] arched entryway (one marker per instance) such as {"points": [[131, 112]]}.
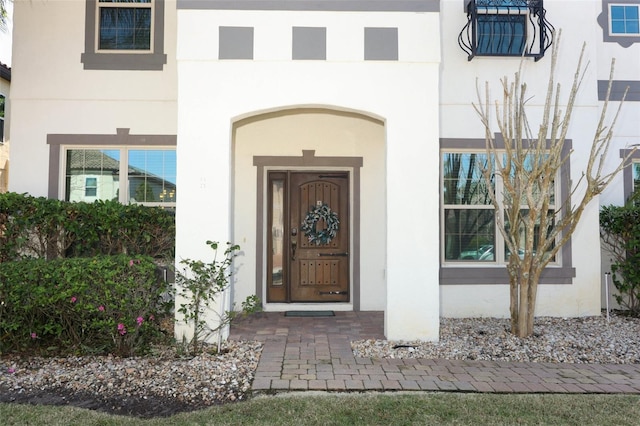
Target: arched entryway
{"points": [[338, 158]]}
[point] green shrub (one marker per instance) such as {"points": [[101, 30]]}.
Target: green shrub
{"points": [[105, 304], [44, 228], [620, 232]]}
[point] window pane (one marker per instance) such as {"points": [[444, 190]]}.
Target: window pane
{"points": [[463, 181], [537, 189], [536, 233], [101, 168], [469, 234], [624, 19], [617, 12], [277, 231], [152, 176], [501, 34], [125, 28]]}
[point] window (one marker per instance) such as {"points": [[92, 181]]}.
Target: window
{"points": [[124, 24], [624, 19], [124, 35], [470, 230], [506, 28], [501, 34], [143, 176], [2, 102], [619, 21]]}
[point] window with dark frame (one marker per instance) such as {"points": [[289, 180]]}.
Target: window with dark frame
{"points": [[124, 24], [501, 34], [517, 28]]}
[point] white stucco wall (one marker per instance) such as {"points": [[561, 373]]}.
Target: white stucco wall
{"points": [[52, 93], [458, 91], [400, 93]]}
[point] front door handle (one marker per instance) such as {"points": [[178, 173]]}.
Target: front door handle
{"points": [[294, 243]]}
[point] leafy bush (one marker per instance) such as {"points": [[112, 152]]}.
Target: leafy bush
{"points": [[620, 232], [105, 304], [44, 228], [200, 284]]}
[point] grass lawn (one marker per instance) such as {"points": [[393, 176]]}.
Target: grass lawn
{"points": [[367, 409]]}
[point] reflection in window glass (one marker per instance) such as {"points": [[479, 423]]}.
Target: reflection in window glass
{"points": [[125, 27], [468, 214], [91, 187], [277, 231], [501, 34], [102, 166], [469, 228], [152, 176]]}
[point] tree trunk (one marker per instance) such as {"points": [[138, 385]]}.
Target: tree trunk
{"points": [[523, 292]]}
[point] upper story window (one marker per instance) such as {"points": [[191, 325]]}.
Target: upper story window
{"points": [[124, 24], [624, 19], [124, 35], [506, 28], [619, 21]]}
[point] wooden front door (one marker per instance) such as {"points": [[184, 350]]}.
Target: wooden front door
{"points": [[308, 217]]}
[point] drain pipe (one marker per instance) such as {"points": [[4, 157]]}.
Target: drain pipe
{"points": [[606, 292]]}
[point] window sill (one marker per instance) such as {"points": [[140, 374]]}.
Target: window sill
{"points": [[124, 61], [498, 275]]}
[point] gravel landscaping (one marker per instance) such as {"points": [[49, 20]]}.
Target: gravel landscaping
{"points": [[164, 383]]}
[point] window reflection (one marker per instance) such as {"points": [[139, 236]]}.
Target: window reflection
{"points": [[277, 231]]}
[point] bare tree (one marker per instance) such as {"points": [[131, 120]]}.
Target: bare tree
{"points": [[536, 224]]}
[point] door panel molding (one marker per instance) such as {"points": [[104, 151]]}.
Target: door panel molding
{"points": [[306, 162]]}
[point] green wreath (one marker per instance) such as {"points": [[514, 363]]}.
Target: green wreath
{"points": [[323, 236]]}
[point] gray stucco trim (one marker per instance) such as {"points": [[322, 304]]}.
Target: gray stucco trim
{"points": [[309, 43], [235, 43], [121, 138], [603, 21], [459, 274], [380, 44], [617, 90], [627, 172], [137, 61], [315, 5], [308, 159]]}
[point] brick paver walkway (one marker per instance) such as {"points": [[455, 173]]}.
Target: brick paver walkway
{"points": [[315, 354]]}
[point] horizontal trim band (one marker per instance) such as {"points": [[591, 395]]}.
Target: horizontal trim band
{"points": [[315, 5], [617, 90]]}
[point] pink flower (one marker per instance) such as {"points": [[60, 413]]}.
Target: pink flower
{"points": [[131, 262], [34, 336], [122, 329], [11, 370], [151, 317], [139, 320], [73, 299], [101, 308]]}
